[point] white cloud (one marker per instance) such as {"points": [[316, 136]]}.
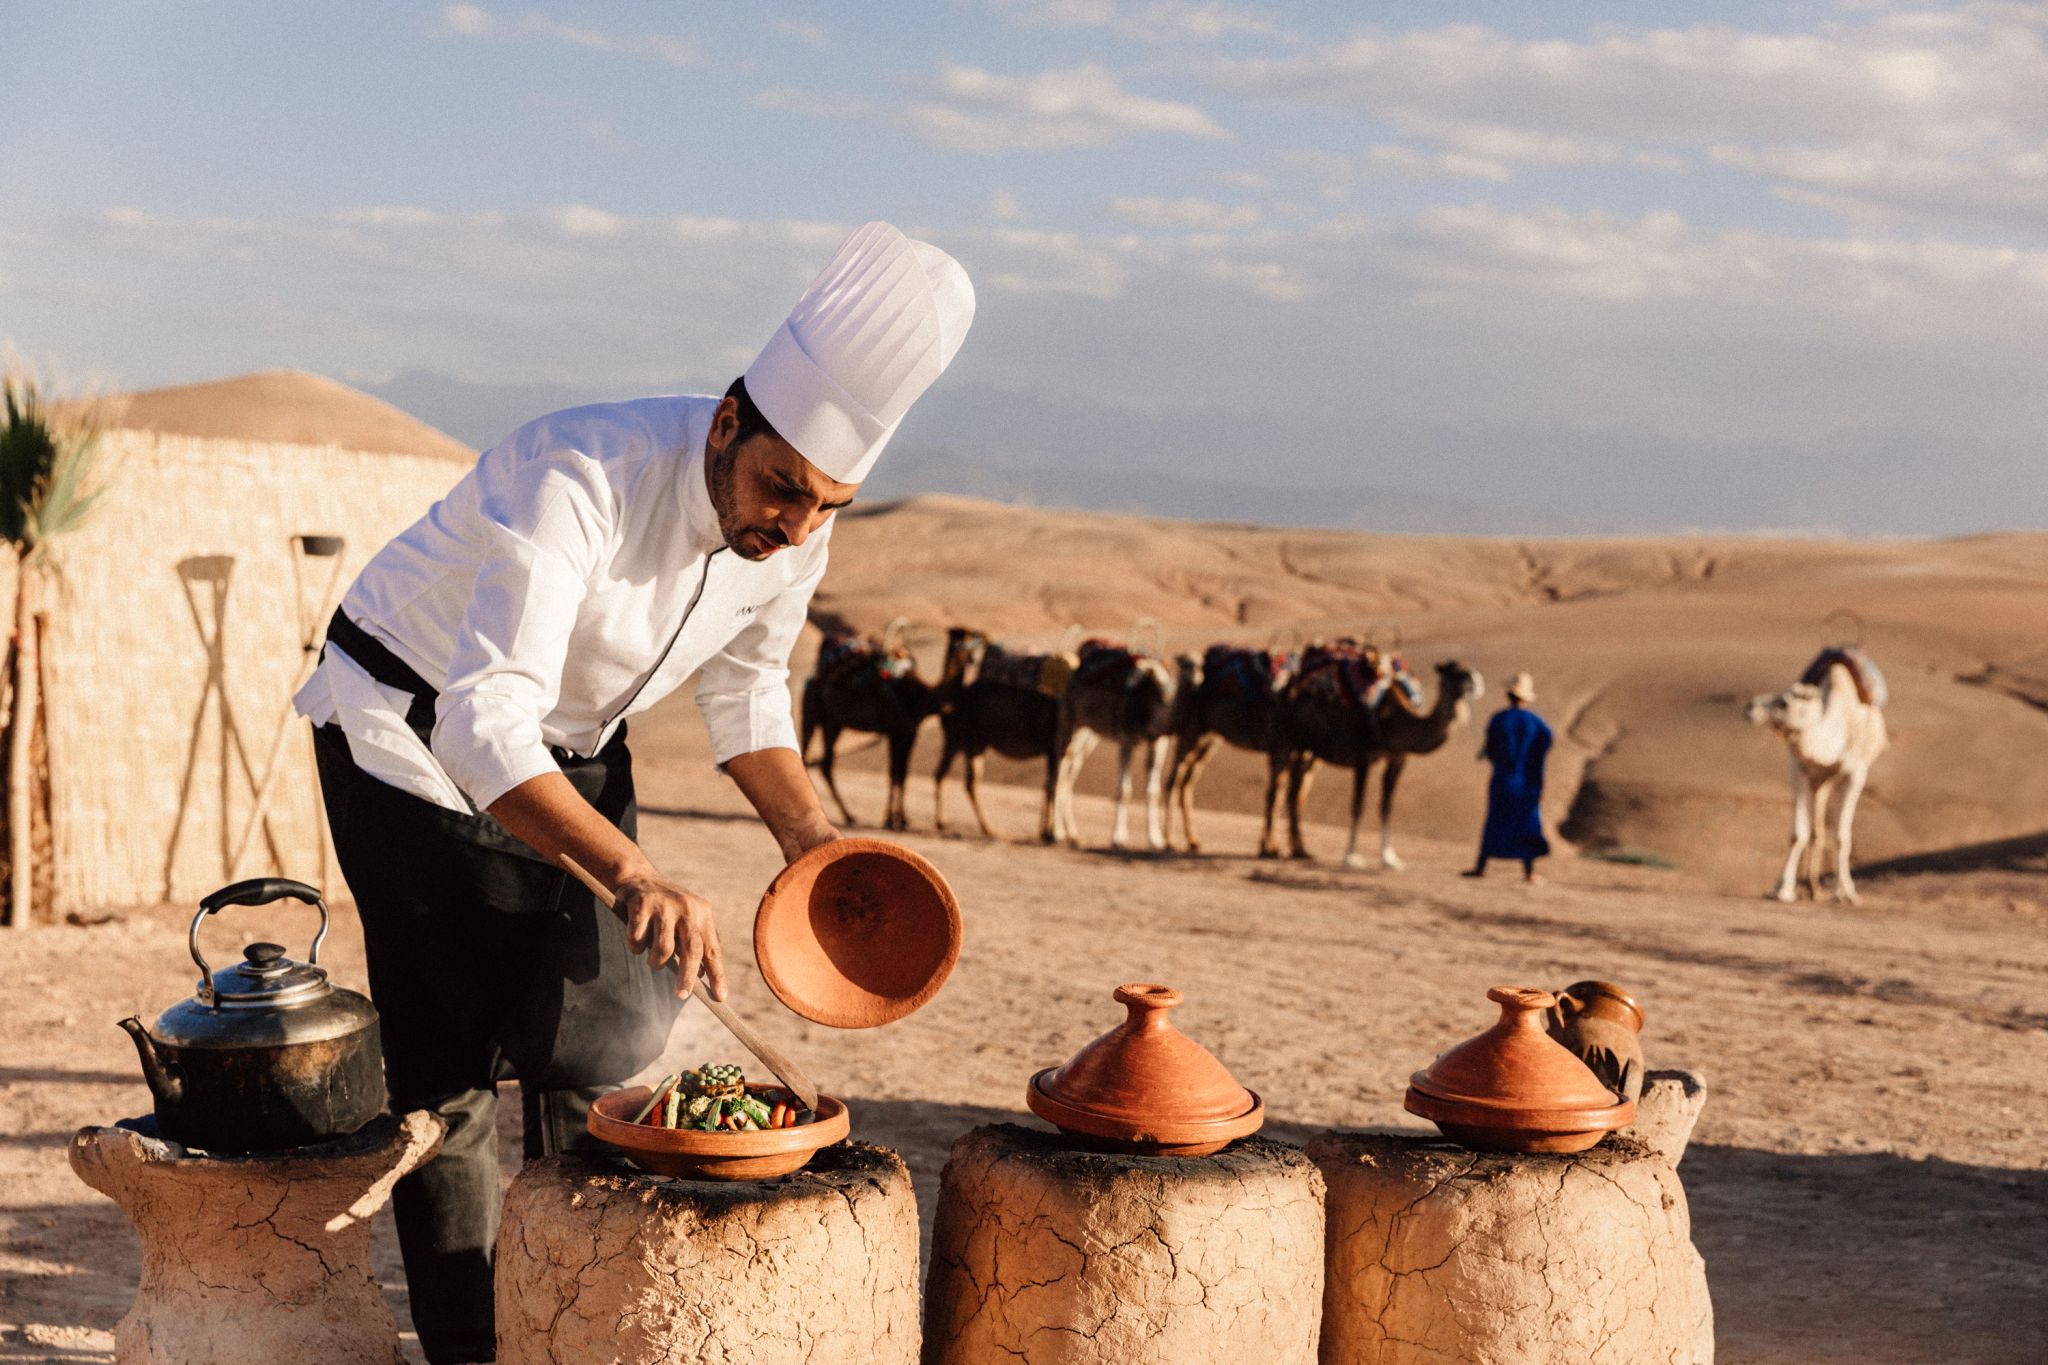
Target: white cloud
{"points": [[1937, 115], [474, 21], [1005, 207], [810, 35], [1145, 21], [969, 109], [1202, 215]]}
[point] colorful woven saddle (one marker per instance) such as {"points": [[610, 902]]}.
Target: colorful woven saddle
{"points": [[1048, 674], [1231, 670], [844, 658], [1870, 683]]}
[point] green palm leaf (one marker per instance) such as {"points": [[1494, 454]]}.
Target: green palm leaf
{"points": [[47, 485]]}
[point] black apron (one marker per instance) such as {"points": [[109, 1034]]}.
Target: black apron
{"points": [[483, 957]]}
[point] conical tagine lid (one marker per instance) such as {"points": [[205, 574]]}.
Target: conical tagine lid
{"points": [[1147, 1083], [1516, 1065]]}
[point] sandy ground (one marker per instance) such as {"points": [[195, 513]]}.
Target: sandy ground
{"points": [[1867, 1183]]}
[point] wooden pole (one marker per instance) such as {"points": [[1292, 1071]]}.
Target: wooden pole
{"points": [[21, 879]]}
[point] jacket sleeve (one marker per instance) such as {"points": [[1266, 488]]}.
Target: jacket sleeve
{"points": [[549, 518], [743, 690]]}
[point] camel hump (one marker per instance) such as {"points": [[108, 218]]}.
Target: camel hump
{"points": [[1863, 671]]}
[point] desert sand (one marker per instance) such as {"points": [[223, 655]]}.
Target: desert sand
{"points": [[1868, 1180]]}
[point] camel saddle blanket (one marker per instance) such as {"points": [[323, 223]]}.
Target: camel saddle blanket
{"points": [[1047, 674], [1394, 675], [1232, 670], [1105, 663], [843, 658], [1870, 683], [1337, 673]]}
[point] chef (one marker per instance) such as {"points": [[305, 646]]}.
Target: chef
{"points": [[471, 708]]}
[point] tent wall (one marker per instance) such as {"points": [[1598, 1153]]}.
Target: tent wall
{"points": [[172, 647]]}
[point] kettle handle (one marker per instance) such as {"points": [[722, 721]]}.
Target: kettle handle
{"points": [[256, 891]]}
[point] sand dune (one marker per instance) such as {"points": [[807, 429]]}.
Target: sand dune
{"points": [[1643, 651]]}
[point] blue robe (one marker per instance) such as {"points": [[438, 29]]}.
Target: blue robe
{"points": [[1517, 742]]}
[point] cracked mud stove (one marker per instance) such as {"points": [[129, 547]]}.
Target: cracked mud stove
{"points": [[719, 1226], [252, 1183]]}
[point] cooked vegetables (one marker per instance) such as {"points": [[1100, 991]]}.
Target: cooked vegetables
{"points": [[715, 1097]]}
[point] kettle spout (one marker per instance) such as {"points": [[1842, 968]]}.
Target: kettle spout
{"points": [[162, 1084]]}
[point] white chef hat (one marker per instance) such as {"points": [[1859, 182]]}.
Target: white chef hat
{"points": [[878, 325]]}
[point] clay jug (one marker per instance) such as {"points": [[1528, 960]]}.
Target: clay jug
{"points": [[1602, 1025]]}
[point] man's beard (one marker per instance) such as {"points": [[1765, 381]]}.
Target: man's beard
{"points": [[725, 501]]}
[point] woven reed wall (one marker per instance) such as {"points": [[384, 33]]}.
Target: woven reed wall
{"points": [[172, 650]]}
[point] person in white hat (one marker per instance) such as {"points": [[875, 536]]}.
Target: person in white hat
{"points": [[471, 706]]}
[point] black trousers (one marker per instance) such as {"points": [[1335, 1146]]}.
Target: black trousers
{"points": [[485, 964]]}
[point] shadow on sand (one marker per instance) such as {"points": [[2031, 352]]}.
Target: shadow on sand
{"points": [[1870, 1257]]}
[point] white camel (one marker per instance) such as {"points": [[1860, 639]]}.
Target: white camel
{"points": [[1832, 736]]}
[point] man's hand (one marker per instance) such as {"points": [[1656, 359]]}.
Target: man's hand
{"points": [[669, 923]]}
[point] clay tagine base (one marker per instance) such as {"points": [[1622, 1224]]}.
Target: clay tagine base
{"points": [[691, 1154]]}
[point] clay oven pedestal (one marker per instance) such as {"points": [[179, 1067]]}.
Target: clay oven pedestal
{"points": [[1437, 1253], [256, 1260], [598, 1262], [1043, 1252]]}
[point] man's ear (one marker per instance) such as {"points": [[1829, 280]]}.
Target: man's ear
{"points": [[725, 424]]}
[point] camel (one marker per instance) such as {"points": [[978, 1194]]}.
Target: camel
{"points": [[1126, 696], [873, 687], [989, 698], [1832, 735], [1231, 694], [1355, 726]]}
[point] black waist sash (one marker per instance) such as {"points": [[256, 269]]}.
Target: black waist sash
{"points": [[604, 779]]}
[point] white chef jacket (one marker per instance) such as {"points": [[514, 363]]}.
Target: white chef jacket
{"points": [[574, 577]]}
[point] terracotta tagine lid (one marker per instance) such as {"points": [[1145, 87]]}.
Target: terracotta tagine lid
{"points": [[1146, 1087], [856, 933], [1514, 1088]]}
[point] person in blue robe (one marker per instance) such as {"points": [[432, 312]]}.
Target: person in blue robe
{"points": [[1517, 743]]}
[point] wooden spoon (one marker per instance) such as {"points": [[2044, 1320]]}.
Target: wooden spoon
{"points": [[786, 1071]]}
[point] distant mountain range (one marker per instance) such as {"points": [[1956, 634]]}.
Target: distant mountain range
{"points": [[482, 414]]}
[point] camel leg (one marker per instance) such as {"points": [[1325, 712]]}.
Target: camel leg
{"points": [[1845, 818], [1184, 782], [946, 751], [1802, 833], [1155, 797], [895, 816], [1352, 857], [1276, 764], [1299, 775], [1055, 774], [1120, 827], [825, 758], [1816, 847], [973, 778], [1390, 775], [1079, 747]]}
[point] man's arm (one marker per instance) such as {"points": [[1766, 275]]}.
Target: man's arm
{"points": [[662, 918], [775, 783]]}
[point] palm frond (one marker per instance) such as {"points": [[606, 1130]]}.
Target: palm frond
{"points": [[47, 470]]}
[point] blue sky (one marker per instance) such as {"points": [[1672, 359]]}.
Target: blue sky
{"points": [[1500, 266]]}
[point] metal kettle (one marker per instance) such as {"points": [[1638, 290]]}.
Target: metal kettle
{"points": [[269, 1053]]}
